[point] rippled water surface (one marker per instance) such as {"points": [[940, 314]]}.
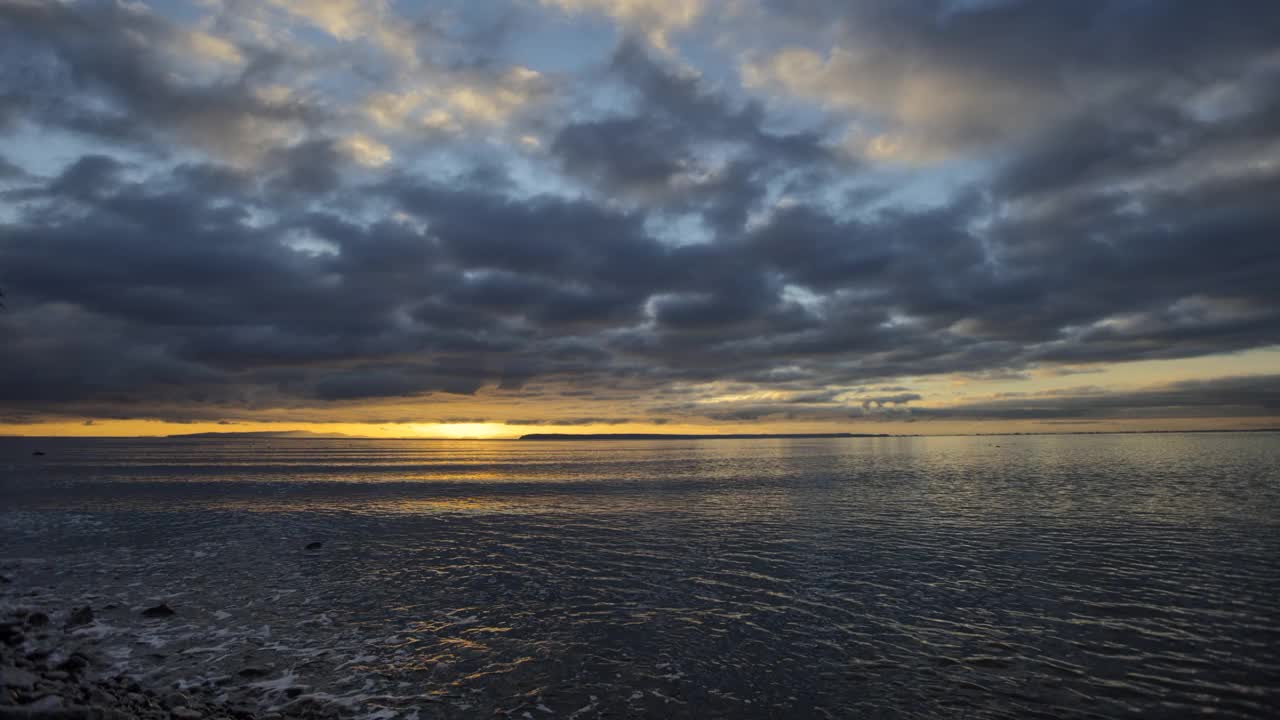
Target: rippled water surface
{"points": [[1052, 576]]}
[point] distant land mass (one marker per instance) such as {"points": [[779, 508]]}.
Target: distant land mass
{"points": [[264, 435], [669, 436]]}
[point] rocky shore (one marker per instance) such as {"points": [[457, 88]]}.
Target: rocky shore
{"points": [[44, 676]]}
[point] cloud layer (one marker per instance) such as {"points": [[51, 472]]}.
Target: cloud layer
{"points": [[213, 210]]}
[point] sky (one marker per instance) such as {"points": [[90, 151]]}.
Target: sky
{"points": [[481, 219]]}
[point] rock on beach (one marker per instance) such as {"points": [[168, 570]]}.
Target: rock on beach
{"points": [[45, 676]]}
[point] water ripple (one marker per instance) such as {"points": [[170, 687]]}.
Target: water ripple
{"points": [[1076, 577]]}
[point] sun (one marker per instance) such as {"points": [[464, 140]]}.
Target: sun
{"points": [[461, 431]]}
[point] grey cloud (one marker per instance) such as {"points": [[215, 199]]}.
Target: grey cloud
{"points": [[1243, 396], [629, 155], [81, 56], [882, 400], [1236, 396], [687, 148], [9, 171]]}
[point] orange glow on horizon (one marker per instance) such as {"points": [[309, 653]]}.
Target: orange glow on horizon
{"points": [[501, 431]]}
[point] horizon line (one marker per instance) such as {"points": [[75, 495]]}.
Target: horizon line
{"points": [[642, 436]]}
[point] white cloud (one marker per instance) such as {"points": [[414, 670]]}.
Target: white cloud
{"points": [[353, 20], [366, 150], [452, 103], [655, 19]]}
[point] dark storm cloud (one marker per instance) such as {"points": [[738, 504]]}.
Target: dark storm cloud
{"points": [[99, 68], [189, 302], [311, 167], [1030, 37], [632, 154], [687, 147], [1126, 226]]}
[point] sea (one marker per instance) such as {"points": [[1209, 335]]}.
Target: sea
{"points": [[1050, 576]]}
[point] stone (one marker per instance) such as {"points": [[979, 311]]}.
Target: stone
{"points": [[186, 713], [17, 678], [101, 697], [48, 702], [74, 663], [37, 619], [80, 616], [160, 611]]}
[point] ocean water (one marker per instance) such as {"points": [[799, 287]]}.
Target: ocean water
{"points": [[1047, 576]]}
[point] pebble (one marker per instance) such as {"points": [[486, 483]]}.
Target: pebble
{"points": [[48, 702], [159, 611], [80, 616], [31, 688], [17, 678]]}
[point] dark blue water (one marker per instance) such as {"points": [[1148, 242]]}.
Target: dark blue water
{"points": [[1052, 576]]}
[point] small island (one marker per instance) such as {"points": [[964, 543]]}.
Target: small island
{"points": [[263, 435]]}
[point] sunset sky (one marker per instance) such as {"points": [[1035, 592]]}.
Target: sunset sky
{"points": [[465, 218]]}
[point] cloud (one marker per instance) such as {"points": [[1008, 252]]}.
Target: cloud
{"points": [[333, 215], [455, 102], [1241, 396], [366, 150], [354, 20], [924, 80], [688, 148], [107, 70], [568, 422], [928, 109], [653, 19], [1231, 396]]}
